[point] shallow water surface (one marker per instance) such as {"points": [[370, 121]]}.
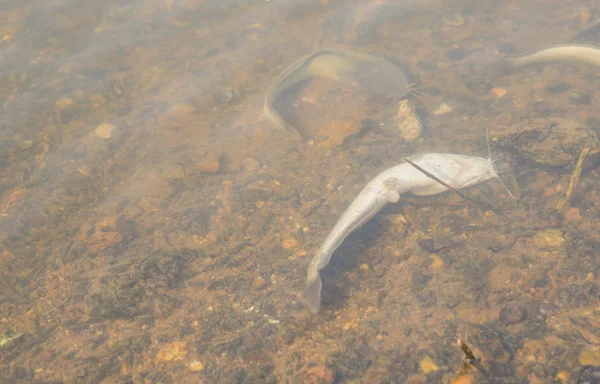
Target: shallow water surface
{"points": [[155, 229]]}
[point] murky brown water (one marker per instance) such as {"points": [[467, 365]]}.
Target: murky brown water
{"points": [[154, 229]]}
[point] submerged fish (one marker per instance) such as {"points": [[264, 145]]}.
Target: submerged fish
{"points": [[569, 53], [375, 74], [458, 171]]}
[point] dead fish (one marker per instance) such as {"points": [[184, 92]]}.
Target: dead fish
{"points": [[569, 53], [458, 171], [372, 73]]}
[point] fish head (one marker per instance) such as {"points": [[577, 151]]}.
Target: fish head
{"points": [[469, 170], [458, 171]]}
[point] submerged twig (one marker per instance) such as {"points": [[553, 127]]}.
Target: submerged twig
{"points": [[470, 359], [574, 180], [462, 195]]}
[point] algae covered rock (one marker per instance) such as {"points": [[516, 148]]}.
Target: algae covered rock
{"points": [[551, 142]]}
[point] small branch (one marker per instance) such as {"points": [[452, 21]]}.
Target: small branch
{"points": [[471, 359], [574, 180]]}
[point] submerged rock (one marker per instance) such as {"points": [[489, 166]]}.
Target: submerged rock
{"points": [[552, 142]]}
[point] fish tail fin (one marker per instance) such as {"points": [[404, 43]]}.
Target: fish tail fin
{"points": [[275, 119], [313, 290]]}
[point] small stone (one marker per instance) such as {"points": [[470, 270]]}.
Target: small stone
{"points": [[457, 53], [438, 262], [572, 214], [181, 111], [196, 366], [455, 20], [589, 356], [463, 379], [408, 120], [290, 243], [66, 109], [105, 130], [100, 240], [258, 284], [428, 365], [349, 325], [340, 131], [564, 377], [172, 352], [319, 374], [251, 164], [85, 170], [364, 267], [210, 164], [132, 211], [224, 96], [394, 224], [428, 244], [417, 378], [549, 239], [402, 120], [441, 109], [498, 92], [512, 314], [579, 98]]}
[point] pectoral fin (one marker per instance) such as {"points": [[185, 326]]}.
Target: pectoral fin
{"points": [[391, 194]]}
